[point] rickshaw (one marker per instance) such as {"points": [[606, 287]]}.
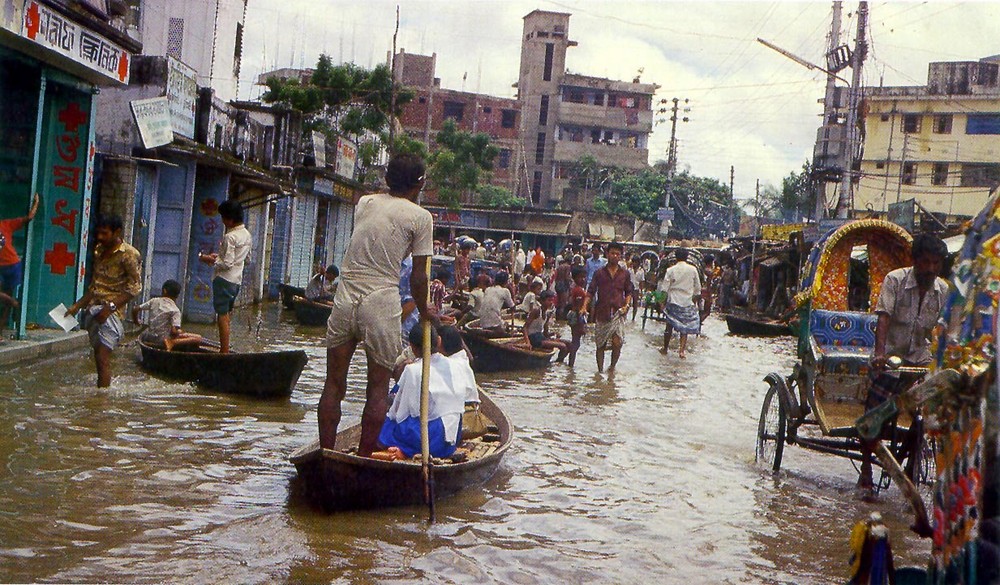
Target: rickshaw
{"points": [[816, 406]]}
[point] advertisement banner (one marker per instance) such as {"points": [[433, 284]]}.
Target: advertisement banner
{"points": [[152, 116], [347, 156], [182, 93], [780, 232]]}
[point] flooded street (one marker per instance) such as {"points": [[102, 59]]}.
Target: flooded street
{"points": [[648, 474]]}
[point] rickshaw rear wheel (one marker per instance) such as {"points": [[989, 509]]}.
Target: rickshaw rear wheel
{"points": [[771, 430]]}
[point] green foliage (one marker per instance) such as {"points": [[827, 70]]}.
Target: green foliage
{"points": [[636, 194], [795, 200], [496, 196], [347, 99], [461, 161]]}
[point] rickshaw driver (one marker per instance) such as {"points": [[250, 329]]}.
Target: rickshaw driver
{"points": [[909, 305]]}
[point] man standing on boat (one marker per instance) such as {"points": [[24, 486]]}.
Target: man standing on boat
{"points": [[116, 279], [909, 305], [611, 287], [228, 263], [388, 227]]}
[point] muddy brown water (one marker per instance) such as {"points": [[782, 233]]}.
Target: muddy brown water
{"points": [[644, 475]]}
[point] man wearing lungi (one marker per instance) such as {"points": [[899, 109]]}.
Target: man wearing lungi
{"points": [[682, 283], [612, 291]]}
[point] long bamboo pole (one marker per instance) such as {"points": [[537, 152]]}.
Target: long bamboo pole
{"points": [[425, 402]]}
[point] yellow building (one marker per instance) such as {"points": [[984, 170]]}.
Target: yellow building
{"points": [[938, 144]]}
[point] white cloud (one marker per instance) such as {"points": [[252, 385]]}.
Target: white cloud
{"points": [[750, 107]]}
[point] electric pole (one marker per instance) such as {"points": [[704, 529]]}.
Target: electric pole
{"points": [[830, 107], [845, 201], [732, 199], [671, 158]]}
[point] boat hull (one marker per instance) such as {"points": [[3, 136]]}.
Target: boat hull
{"points": [[310, 313], [263, 375], [288, 293], [490, 356], [335, 480], [742, 325]]}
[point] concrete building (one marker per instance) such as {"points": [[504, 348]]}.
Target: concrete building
{"points": [[54, 57], [432, 106], [207, 35], [938, 143], [566, 116]]}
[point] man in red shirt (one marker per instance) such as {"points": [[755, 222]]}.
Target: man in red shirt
{"points": [[11, 271], [612, 290]]}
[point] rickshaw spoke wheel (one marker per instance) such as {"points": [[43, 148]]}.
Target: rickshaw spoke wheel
{"points": [[771, 431]]}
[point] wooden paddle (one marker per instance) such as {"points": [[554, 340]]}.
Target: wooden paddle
{"points": [[425, 399]]}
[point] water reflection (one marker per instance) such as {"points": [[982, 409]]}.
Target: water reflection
{"points": [[644, 474]]}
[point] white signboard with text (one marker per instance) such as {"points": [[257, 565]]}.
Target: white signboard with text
{"points": [[182, 93], [347, 156], [152, 116]]}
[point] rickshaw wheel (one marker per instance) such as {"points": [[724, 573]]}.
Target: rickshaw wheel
{"points": [[771, 430]]}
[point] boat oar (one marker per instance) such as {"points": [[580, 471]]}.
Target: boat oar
{"points": [[425, 400]]}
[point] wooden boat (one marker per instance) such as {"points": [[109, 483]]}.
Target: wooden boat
{"points": [[288, 292], [310, 312], [337, 480], [743, 324], [499, 354], [268, 374]]}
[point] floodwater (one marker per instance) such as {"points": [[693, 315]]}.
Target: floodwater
{"points": [[647, 474]]}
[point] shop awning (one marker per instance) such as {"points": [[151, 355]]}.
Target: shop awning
{"points": [[555, 226]]}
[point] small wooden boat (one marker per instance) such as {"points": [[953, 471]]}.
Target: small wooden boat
{"points": [[288, 292], [498, 354], [310, 312], [743, 324], [268, 374], [338, 480]]}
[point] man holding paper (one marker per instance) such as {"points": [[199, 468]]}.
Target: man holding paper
{"points": [[117, 278]]}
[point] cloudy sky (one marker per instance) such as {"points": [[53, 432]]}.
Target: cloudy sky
{"points": [[750, 107]]}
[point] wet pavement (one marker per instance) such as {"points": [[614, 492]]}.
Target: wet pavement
{"points": [[645, 474]]}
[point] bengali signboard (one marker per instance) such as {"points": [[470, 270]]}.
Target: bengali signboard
{"points": [[182, 93], [780, 232], [152, 116], [903, 214], [319, 149], [50, 29], [347, 156]]}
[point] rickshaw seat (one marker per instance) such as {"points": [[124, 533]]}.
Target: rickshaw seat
{"points": [[842, 341]]}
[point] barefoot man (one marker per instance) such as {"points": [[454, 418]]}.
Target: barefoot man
{"points": [[683, 287], [611, 286], [388, 227]]}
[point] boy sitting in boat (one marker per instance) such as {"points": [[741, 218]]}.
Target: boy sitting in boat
{"points": [[322, 286], [530, 300], [163, 319], [448, 393], [495, 299], [536, 326]]}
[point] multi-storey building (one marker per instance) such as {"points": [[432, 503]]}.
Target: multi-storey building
{"points": [[432, 106], [938, 143], [566, 116]]}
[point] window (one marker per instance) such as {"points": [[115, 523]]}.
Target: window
{"points": [[880, 165], [909, 173], [911, 123], [574, 96], [940, 176], [598, 99], [422, 100], [540, 148], [547, 72], [218, 136], [543, 34], [454, 110], [487, 110], [982, 124], [536, 188], [508, 118], [942, 124], [175, 38], [884, 117], [980, 175], [609, 136], [543, 111], [504, 162], [595, 136]]}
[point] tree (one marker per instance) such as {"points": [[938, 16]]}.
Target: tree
{"points": [[496, 196], [636, 194], [458, 164], [346, 99], [794, 201]]}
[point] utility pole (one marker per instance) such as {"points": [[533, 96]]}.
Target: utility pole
{"points": [[671, 159], [732, 199], [392, 88], [830, 107], [845, 201]]}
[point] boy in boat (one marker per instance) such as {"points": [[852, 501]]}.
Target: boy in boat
{"points": [[322, 285], [536, 326], [495, 299], [576, 316], [530, 301], [448, 392], [388, 227], [163, 319]]}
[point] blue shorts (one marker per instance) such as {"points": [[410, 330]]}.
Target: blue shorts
{"points": [[224, 295], [10, 278]]}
